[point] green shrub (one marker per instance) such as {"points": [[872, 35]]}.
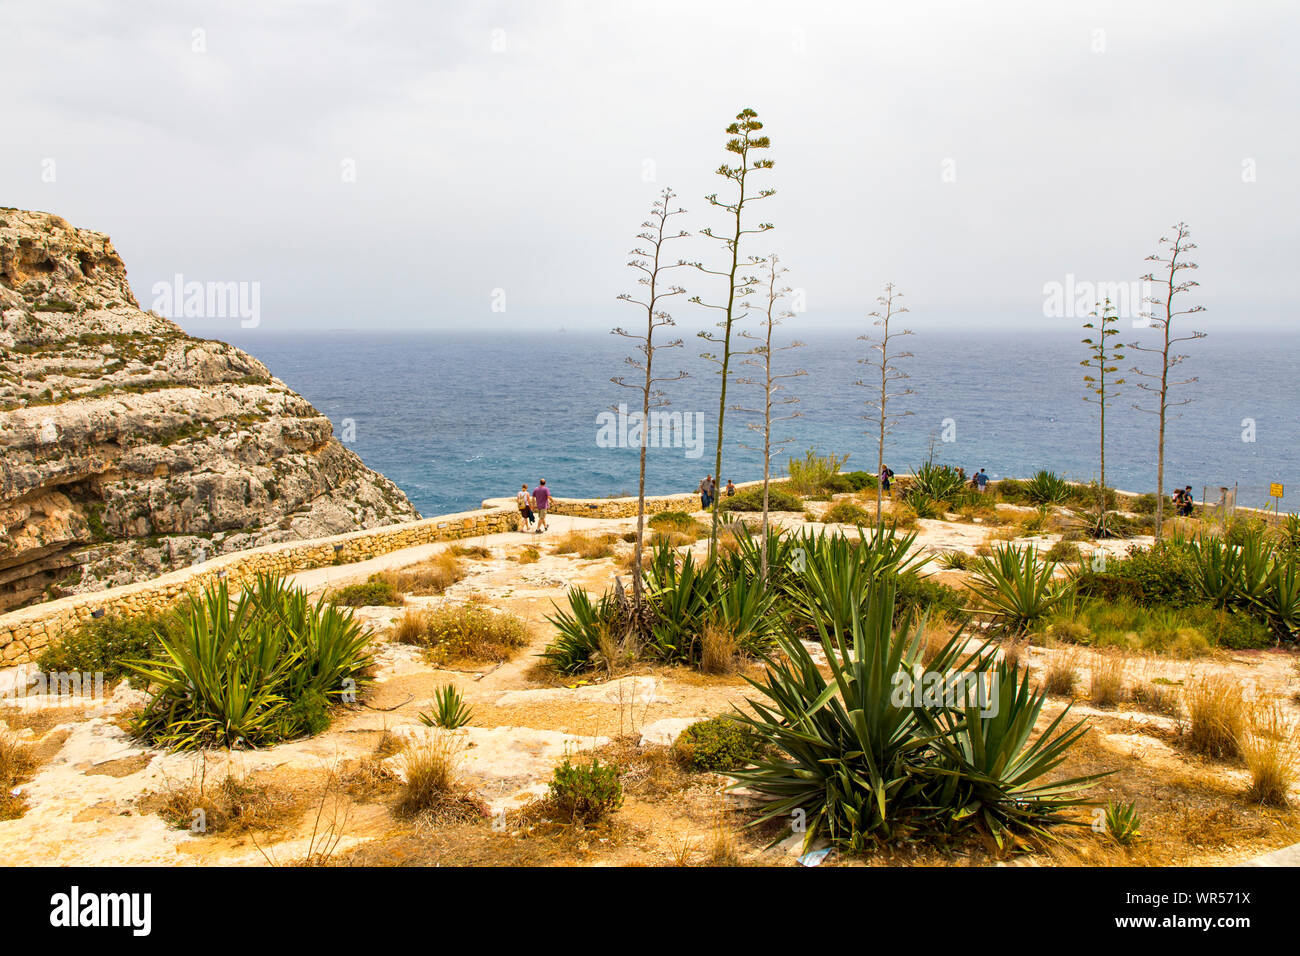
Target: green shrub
{"points": [[471, 632], [867, 759], [1047, 488], [717, 744], [847, 512], [858, 481], [374, 592], [251, 672], [586, 792], [917, 595], [1011, 490], [815, 474], [1018, 588], [751, 499], [1162, 575], [106, 643]]}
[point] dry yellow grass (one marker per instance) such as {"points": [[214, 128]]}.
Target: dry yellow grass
{"points": [[233, 804], [1062, 675], [16, 765], [1217, 715], [585, 546], [432, 789], [719, 651], [429, 577], [469, 632], [1106, 683], [1270, 752]]}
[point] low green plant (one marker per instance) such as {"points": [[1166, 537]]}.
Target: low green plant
{"points": [[954, 560], [102, 645], [717, 744], [586, 792], [1046, 488], [373, 592], [939, 483], [847, 512], [252, 671], [815, 474], [751, 499], [448, 709], [868, 760], [1016, 587], [1122, 822], [581, 628]]}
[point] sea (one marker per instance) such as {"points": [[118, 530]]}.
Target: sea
{"points": [[457, 417]]}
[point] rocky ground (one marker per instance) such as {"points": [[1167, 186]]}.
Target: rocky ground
{"points": [[97, 795], [131, 448]]}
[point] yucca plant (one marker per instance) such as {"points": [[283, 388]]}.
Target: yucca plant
{"points": [[1279, 600], [581, 629], [252, 671], [1217, 571], [1122, 822], [1019, 589], [448, 709], [682, 595], [860, 758], [1046, 488], [940, 483]]}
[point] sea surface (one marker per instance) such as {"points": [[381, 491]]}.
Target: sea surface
{"points": [[454, 418]]}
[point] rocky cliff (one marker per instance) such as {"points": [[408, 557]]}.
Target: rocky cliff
{"points": [[129, 447]]}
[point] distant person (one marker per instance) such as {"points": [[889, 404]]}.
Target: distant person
{"points": [[1185, 507], [525, 502], [731, 488], [542, 495], [703, 492], [982, 481], [885, 475]]}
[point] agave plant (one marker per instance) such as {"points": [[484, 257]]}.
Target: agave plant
{"points": [[1017, 587], [581, 629], [252, 671], [1279, 600], [1123, 822], [1047, 488], [859, 762], [448, 709], [1217, 571], [939, 483]]}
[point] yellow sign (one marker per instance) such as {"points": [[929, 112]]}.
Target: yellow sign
{"points": [[1275, 490]]}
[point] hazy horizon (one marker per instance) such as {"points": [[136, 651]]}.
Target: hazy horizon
{"points": [[416, 169]]}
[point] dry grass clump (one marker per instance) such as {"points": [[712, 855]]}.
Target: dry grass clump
{"points": [[1157, 695], [428, 577], [1106, 683], [462, 632], [432, 790], [470, 551], [719, 650], [234, 804], [585, 546], [528, 556], [1217, 716], [1062, 676], [16, 765], [1270, 751]]}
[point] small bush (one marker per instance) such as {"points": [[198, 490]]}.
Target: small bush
{"points": [[718, 744], [917, 595], [678, 521], [470, 551], [429, 577], [1064, 551], [955, 560], [586, 792], [846, 512], [463, 632], [751, 499], [104, 644], [532, 555], [375, 592], [901, 516], [859, 481], [815, 474], [1217, 714]]}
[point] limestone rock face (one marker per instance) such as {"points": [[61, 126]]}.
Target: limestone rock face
{"points": [[130, 447]]}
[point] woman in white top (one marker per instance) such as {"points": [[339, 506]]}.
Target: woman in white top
{"points": [[525, 502]]}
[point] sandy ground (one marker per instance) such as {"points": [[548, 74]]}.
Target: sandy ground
{"points": [[94, 796]]}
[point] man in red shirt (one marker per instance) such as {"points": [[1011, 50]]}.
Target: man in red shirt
{"points": [[542, 495]]}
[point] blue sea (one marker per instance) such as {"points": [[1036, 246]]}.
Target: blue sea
{"points": [[456, 418]]}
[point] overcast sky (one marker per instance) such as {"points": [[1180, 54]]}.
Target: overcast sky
{"points": [[389, 165]]}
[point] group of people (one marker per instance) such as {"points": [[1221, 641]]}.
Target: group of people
{"points": [[1183, 501], [708, 491], [533, 506]]}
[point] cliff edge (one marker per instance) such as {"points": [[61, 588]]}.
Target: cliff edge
{"points": [[129, 448]]}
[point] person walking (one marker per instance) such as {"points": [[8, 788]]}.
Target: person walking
{"points": [[542, 495], [525, 502], [705, 496], [885, 475], [731, 488], [982, 481]]}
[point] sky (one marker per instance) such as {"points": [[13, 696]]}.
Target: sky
{"points": [[485, 167]]}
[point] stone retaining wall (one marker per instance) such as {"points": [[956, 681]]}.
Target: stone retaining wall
{"points": [[26, 631]]}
